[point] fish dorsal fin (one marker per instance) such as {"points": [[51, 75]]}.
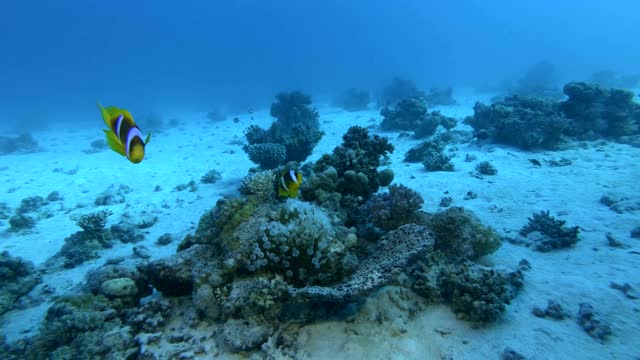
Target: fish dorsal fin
{"points": [[111, 112]]}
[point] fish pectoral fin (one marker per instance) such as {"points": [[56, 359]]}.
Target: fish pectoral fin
{"points": [[146, 141], [114, 143]]}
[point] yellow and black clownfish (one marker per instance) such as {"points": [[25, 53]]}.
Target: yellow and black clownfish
{"points": [[123, 135], [289, 184]]}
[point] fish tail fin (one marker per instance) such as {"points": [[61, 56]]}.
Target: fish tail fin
{"points": [[114, 143]]}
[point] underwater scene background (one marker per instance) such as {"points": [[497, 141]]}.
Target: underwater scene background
{"points": [[320, 180]]}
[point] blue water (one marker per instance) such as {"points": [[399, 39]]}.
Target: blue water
{"points": [[58, 58]]}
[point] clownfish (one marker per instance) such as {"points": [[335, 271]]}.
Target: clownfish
{"points": [[289, 183], [123, 135]]}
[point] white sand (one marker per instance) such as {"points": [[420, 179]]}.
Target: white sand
{"points": [[177, 156]]}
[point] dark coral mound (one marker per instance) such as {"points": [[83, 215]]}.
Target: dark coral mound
{"points": [[85, 244], [352, 168], [17, 278], [596, 112], [397, 90], [538, 81], [23, 143], [411, 114], [524, 122], [296, 132], [545, 233], [460, 234], [354, 100], [477, 294], [389, 210], [437, 96], [432, 155]]}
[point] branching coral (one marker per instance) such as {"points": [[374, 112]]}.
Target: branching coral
{"points": [[262, 185], [551, 233]]}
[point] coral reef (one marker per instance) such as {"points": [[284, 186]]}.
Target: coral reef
{"points": [[21, 223], [524, 122], [112, 196], [442, 96], [84, 245], [397, 90], [432, 156], [475, 293], [294, 239], [610, 79], [211, 177], [486, 168], [411, 114], [538, 81], [596, 112], [261, 185], [389, 210], [23, 143], [267, 155], [554, 311], [460, 234], [17, 278], [296, 129], [385, 177], [593, 323], [354, 100], [86, 326], [257, 266], [545, 233], [355, 162]]}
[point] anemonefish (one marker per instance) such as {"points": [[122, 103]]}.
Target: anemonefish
{"points": [[123, 135], [290, 181]]}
